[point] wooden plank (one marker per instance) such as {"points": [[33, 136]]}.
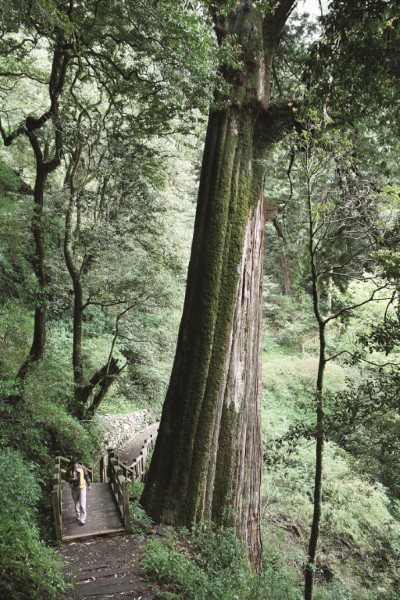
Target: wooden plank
{"points": [[86, 534], [84, 568], [106, 573], [91, 589], [114, 561]]}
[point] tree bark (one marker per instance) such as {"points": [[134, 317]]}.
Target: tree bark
{"points": [[39, 330], [207, 459], [320, 425], [75, 274], [103, 378]]}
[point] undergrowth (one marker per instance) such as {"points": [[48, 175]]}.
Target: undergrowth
{"points": [[210, 563]]}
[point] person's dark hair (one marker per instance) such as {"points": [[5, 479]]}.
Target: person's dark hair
{"points": [[74, 460]]}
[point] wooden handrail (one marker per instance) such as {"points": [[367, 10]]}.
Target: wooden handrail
{"points": [[139, 464], [119, 487], [120, 474]]}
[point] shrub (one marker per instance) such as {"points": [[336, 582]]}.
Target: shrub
{"points": [[140, 521], [29, 569]]}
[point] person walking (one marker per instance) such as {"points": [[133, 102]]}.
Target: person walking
{"points": [[78, 477]]}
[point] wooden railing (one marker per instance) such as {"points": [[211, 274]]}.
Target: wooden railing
{"points": [[119, 487], [119, 474], [139, 464], [61, 465]]}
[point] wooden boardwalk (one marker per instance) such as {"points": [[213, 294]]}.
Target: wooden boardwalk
{"points": [[102, 513], [131, 449], [109, 565]]}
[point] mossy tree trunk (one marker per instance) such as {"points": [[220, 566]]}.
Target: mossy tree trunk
{"points": [[207, 460]]}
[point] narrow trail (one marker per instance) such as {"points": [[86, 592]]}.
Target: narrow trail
{"points": [[107, 567]]}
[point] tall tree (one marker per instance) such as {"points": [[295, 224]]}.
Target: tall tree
{"points": [[46, 148], [207, 461]]}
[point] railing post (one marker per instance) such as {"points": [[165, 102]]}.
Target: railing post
{"points": [[57, 512], [110, 455], [125, 505], [101, 469]]}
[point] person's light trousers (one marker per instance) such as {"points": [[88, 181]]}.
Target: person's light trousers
{"points": [[79, 497]]}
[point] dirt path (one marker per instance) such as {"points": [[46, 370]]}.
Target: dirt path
{"points": [[106, 567]]}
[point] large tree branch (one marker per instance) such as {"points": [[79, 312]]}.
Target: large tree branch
{"points": [[220, 21], [108, 371], [361, 359], [21, 75], [276, 122], [283, 11], [347, 309], [275, 21]]}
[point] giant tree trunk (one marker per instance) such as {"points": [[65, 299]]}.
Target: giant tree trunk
{"points": [[207, 460]]}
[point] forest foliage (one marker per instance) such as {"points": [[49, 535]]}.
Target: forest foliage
{"points": [[102, 113]]}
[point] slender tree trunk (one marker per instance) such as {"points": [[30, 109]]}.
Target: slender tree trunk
{"points": [[77, 359], [43, 168], [319, 447], [319, 451], [284, 269], [102, 379], [283, 260], [74, 271], [329, 287]]}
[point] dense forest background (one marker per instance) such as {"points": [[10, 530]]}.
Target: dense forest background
{"points": [[103, 125]]}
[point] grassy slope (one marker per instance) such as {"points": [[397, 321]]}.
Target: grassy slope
{"points": [[358, 535]]}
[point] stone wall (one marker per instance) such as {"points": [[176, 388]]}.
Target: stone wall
{"points": [[118, 429]]}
